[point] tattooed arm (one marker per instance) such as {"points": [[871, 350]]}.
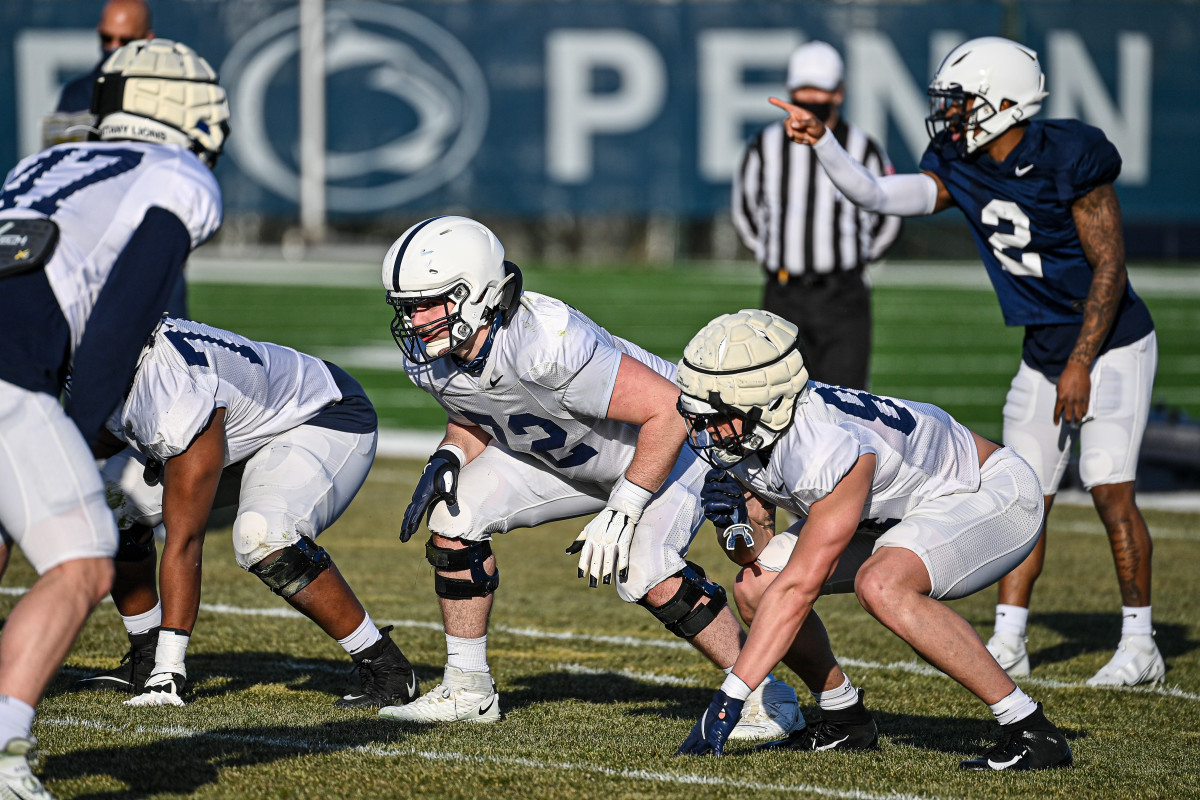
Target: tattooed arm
{"points": [[1098, 221]]}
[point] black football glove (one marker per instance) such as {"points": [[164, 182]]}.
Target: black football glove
{"points": [[439, 481]]}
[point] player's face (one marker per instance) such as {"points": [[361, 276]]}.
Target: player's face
{"points": [[431, 322]]}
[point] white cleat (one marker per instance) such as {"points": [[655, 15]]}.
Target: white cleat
{"points": [[460, 697], [17, 781], [1136, 661], [770, 712], [1010, 653], [162, 689]]}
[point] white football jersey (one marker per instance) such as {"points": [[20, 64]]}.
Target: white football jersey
{"points": [[545, 388], [98, 193], [921, 453], [188, 370]]}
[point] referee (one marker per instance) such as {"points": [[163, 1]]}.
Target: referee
{"points": [[812, 242]]}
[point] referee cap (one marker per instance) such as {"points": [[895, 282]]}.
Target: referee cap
{"points": [[817, 65]]}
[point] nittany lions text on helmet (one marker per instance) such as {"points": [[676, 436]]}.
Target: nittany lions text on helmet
{"points": [[745, 366], [454, 262], [986, 71], [161, 91]]}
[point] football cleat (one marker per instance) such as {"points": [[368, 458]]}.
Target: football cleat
{"points": [[161, 689], [17, 781], [850, 728], [460, 697], [1136, 661], [385, 677], [136, 666], [1010, 653], [1028, 744], [770, 711]]}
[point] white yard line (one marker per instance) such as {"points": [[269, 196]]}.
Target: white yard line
{"points": [[912, 667], [292, 743]]}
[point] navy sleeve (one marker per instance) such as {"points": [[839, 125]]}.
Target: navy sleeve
{"points": [[125, 313], [1098, 164]]}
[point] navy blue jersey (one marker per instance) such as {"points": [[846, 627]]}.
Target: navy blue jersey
{"points": [[1020, 216]]}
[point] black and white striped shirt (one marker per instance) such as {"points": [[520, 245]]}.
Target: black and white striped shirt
{"points": [[789, 214]]}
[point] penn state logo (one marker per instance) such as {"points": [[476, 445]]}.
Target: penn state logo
{"points": [[406, 105]]}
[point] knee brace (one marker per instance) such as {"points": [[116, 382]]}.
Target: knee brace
{"points": [[680, 614], [136, 543], [445, 559], [296, 566]]}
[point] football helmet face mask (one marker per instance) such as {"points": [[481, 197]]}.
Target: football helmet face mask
{"points": [[160, 91], [966, 96], [741, 377], [451, 272]]}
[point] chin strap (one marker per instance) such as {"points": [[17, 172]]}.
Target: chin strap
{"points": [[475, 365]]}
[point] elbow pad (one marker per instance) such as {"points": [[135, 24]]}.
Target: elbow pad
{"points": [[912, 195]]}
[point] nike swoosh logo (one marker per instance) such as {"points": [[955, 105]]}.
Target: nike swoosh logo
{"points": [[426, 252], [1006, 764], [832, 745], [353, 696], [484, 709], [1021, 171], [412, 686], [494, 381]]}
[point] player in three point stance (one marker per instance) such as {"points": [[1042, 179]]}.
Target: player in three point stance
{"points": [[93, 235], [294, 438], [550, 417], [1040, 201], [952, 512]]}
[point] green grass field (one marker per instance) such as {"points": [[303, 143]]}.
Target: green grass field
{"points": [[947, 345], [596, 694]]}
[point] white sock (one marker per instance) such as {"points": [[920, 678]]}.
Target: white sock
{"points": [[1011, 620], [735, 687], [171, 651], [468, 655], [363, 637], [1136, 621], [843, 696], [16, 719], [1014, 707], [144, 622]]}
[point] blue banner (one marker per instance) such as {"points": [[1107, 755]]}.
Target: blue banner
{"points": [[533, 108]]}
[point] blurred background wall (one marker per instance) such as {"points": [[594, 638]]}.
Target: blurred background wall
{"points": [[606, 129]]}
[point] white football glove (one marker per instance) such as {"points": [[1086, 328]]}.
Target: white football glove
{"points": [[604, 543]]}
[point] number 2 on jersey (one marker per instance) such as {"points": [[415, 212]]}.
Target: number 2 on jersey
{"points": [[992, 215]]}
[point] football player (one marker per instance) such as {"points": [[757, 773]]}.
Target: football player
{"points": [[295, 436], [1039, 198], [953, 512], [549, 417], [93, 235]]}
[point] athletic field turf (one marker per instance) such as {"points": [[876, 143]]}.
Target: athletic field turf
{"points": [[596, 694]]}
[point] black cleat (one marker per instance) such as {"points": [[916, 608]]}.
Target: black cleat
{"points": [[1027, 744], [136, 666], [385, 677], [850, 728]]}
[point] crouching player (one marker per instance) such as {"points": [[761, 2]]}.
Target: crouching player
{"points": [[549, 417], [297, 436], [961, 512]]}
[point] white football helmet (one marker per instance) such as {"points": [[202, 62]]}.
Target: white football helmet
{"points": [[157, 90], [990, 70], [744, 366], [454, 262]]}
